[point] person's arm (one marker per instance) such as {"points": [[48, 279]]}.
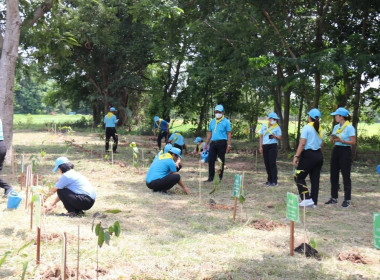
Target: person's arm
{"points": [[208, 137], [52, 191], [228, 141], [154, 130], [261, 144], [300, 148], [184, 146], [352, 140]]}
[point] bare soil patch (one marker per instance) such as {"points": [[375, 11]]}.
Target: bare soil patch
{"points": [[266, 225], [54, 273], [354, 257]]}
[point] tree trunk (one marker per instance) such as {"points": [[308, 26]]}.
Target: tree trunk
{"points": [[285, 122], [355, 115], [8, 61], [299, 123]]}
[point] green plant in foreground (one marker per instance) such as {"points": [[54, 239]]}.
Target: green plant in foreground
{"points": [[216, 180], [135, 154]]}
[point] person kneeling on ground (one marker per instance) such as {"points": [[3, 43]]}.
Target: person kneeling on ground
{"points": [[162, 174], [73, 189]]}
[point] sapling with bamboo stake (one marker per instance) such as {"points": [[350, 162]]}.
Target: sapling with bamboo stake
{"points": [[216, 180], [135, 155]]}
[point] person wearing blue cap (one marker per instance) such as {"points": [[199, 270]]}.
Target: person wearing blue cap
{"points": [[199, 147], [270, 134], [166, 149], [3, 151], [308, 159], [343, 137], [162, 174], [163, 130], [110, 121], [178, 141], [73, 189], [219, 137]]}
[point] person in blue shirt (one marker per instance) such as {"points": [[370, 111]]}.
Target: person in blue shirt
{"points": [[308, 159], [343, 137], [3, 151], [163, 130], [270, 134], [219, 137], [178, 141], [73, 189], [199, 147], [162, 174], [110, 121]]}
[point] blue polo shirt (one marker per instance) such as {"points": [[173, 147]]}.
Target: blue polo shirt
{"points": [[345, 135], [162, 166], [220, 133], [276, 131], [1, 131], [110, 120], [76, 183], [177, 138], [162, 124], [313, 142]]}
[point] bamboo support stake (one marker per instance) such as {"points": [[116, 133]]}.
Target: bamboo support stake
{"points": [[256, 160], [38, 245], [291, 238], [235, 208], [200, 182], [13, 165], [31, 215], [78, 254], [64, 256], [304, 226]]}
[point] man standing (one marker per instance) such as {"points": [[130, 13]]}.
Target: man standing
{"points": [[219, 133], [163, 130], [110, 122], [3, 150]]}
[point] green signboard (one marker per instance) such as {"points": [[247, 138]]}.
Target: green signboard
{"points": [[376, 230], [237, 186], [292, 209]]}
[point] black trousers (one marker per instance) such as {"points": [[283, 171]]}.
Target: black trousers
{"points": [[111, 132], [3, 152], [178, 146], [162, 134], [341, 158], [164, 184], [217, 149], [310, 163], [75, 202], [270, 157]]}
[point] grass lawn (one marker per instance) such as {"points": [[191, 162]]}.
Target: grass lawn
{"points": [[182, 236]]}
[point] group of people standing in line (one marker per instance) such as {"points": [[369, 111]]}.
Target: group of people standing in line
{"points": [[77, 194], [308, 158]]}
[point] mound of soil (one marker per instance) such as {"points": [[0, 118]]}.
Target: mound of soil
{"points": [[54, 273], [354, 257], [266, 225], [310, 251]]}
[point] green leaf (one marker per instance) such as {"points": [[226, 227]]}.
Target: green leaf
{"points": [[106, 156], [134, 155], [101, 237], [132, 145], [111, 230], [117, 229], [107, 237], [113, 211], [24, 267], [98, 228], [4, 257], [24, 246], [135, 149], [313, 243], [242, 196]]}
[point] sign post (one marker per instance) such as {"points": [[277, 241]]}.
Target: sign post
{"points": [[292, 214], [376, 230], [236, 193]]}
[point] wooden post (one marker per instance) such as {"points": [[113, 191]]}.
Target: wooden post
{"points": [[112, 157], [27, 183], [63, 257], [304, 226], [291, 238], [235, 208], [31, 215], [13, 165], [200, 182], [38, 245], [78, 255], [256, 160]]}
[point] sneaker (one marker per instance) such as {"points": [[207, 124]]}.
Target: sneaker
{"points": [[266, 184], [332, 201], [7, 191], [273, 185], [208, 181], [306, 203], [346, 204], [312, 206]]}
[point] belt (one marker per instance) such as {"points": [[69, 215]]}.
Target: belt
{"points": [[269, 144], [219, 141], [312, 150]]}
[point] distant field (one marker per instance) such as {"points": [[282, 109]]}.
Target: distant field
{"points": [[41, 119]]}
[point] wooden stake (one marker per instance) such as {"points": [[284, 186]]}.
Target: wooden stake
{"points": [[112, 157], [31, 215], [291, 238], [235, 208], [13, 165], [38, 245], [256, 160], [78, 255], [200, 182], [304, 226], [63, 257]]}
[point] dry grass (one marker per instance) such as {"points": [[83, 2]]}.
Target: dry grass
{"points": [[176, 237]]}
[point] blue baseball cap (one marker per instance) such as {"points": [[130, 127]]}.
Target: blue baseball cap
{"points": [[59, 161], [378, 169], [176, 151], [313, 113], [341, 111], [219, 108], [198, 139], [167, 147], [156, 118], [273, 115], [112, 109]]}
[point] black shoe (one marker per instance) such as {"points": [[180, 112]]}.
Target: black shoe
{"points": [[7, 191], [346, 204], [208, 181], [115, 152], [266, 184], [273, 185], [332, 201]]}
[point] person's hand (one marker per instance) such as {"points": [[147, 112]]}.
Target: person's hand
{"points": [[271, 136], [261, 150], [295, 161], [228, 148], [48, 209], [187, 190]]}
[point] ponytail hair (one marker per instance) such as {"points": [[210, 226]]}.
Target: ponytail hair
{"points": [[316, 123], [348, 118]]}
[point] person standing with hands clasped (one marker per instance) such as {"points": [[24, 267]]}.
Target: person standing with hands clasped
{"points": [[309, 159], [270, 134], [219, 133], [110, 121], [343, 137]]}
